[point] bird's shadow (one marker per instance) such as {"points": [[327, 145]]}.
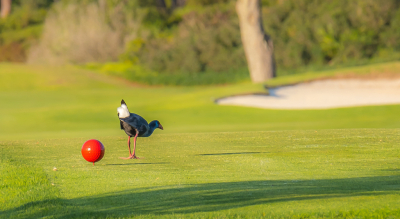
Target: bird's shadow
{"points": [[123, 164], [234, 153], [392, 169]]}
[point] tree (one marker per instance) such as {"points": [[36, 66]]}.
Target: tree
{"points": [[161, 4], [5, 8], [178, 3], [257, 45]]}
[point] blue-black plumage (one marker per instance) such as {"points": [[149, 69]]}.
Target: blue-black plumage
{"points": [[135, 126]]}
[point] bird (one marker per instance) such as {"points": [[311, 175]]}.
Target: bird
{"points": [[135, 126]]}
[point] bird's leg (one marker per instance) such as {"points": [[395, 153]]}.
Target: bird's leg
{"points": [[133, 156], [129, 145]]}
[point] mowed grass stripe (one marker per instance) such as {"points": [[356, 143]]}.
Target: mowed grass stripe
{"points": [[84, 104], [207, 174]]}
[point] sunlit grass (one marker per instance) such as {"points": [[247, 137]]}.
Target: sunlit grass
{"points": [[372, 71], [85, 106], [281, 173], [210, 161]]}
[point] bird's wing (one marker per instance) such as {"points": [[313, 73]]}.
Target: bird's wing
{"points": [[121, 125], [136, 122]]}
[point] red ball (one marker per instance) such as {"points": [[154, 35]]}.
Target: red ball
{"points": [[93, 150]]}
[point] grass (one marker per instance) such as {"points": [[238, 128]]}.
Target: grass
{"points": [[386, 70], [209, 162], [140, 74], [282, 173]]}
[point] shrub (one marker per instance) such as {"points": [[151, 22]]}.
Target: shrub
{"points": [[202, 38], [305, 33], [22, 27], [76, 32], [206, 41], [331, 32]]}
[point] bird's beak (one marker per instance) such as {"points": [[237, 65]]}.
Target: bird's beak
{"points": [[160, 127]]}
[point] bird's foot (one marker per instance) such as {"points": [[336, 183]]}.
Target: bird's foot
{"points": [[131, 157]]}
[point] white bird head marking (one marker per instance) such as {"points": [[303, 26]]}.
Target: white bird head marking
{"points": [[123, 111]]}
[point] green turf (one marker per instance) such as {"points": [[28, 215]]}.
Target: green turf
{"points": [[388, 69], [39, 102], [210, 161], [275, 173]]}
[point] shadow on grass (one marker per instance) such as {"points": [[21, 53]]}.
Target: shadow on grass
{"points": [[122, 164], [236, 153], [390, 170], [204, 197]]}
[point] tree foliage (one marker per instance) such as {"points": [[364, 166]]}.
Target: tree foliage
{"points": [[201, 41], [197, 36], [21, 28], [332, 32], [305, 33], [90, 31]]}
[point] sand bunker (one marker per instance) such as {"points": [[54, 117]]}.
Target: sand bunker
{"points": [[323, 94]]}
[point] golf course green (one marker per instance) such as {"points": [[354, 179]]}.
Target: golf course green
{"points": [[210, 161]]}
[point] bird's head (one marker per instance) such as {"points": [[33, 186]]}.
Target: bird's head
{"points": [[156, 124], [123, 111]]}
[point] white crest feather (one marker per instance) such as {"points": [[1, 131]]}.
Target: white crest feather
{"points": [[123, 111]]}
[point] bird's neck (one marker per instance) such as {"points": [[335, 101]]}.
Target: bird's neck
{"points": [[152, 127]]}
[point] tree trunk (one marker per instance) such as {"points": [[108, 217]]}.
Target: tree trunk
{"points": [[5, 8], [257, 45]]}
